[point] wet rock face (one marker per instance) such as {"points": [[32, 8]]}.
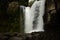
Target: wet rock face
{"points": [[32, 36]]}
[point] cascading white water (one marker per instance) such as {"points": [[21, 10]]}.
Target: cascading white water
{"points": [[22, 8], [34, 17], [37, 11], [40, 24], [28, 20]]}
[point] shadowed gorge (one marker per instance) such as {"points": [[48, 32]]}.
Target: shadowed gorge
{"points": [[20, 20]]}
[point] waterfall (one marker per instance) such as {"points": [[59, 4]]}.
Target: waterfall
{"points": [[22, 9], [22, 13], [28, 20], [40, 24], [34, 17], [37, 11]]}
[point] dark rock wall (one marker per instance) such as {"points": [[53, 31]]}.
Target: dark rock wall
{"points": [[52, 14], [11, 16]]}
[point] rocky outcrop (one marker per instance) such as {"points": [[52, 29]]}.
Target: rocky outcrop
{"points": [[32, 36]]}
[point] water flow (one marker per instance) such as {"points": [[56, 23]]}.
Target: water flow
{"points": [[34, 17], [40, 24], [22, 9], [37, 11], [28, 20]]}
